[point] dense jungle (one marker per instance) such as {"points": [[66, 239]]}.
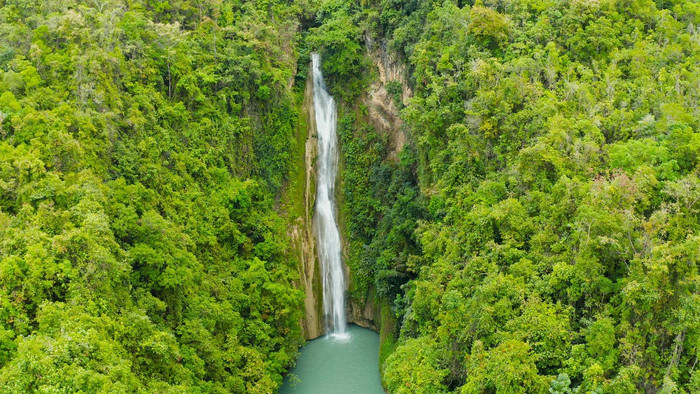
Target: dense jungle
{"points": [[518, 192]]}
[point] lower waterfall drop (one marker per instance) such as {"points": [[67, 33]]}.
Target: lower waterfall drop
{"points": [[346, 360], [329, 246]]}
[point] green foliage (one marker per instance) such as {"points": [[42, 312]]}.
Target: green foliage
{"points": [[414, 368], [381, 197], [539, 232], [141, 149], [560, 385], [488, 26], [507, 368], [555, 146], [339, 41]]}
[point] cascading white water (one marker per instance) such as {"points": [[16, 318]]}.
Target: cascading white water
{"points": [[329, 248]]}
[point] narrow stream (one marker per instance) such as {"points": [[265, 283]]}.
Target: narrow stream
{"points": [[346, 359]]}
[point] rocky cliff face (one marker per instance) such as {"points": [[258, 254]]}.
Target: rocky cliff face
{"points": [[365, 313], [384, 116], [302, 230], [383, 113]]}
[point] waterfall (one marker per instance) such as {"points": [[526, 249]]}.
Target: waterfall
{"points": [[329, 248]]}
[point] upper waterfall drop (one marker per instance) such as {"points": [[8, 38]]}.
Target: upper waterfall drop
{"points": [[329, 246]]}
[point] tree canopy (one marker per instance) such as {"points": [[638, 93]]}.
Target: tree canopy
{"points": [[142, 144], [540, 231]]}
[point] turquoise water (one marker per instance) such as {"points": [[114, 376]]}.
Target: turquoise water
{"points": [[337, 366]]}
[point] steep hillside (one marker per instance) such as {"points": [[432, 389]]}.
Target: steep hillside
{"points": [[142, 145], [539, 229], [519, 192]]}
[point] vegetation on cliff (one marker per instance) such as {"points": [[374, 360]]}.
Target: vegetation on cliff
{"points": [[554, 242], [142, 144], [539, 231]]}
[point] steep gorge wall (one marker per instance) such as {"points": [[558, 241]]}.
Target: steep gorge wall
{"points": [[384, 116], [301, 227]]}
